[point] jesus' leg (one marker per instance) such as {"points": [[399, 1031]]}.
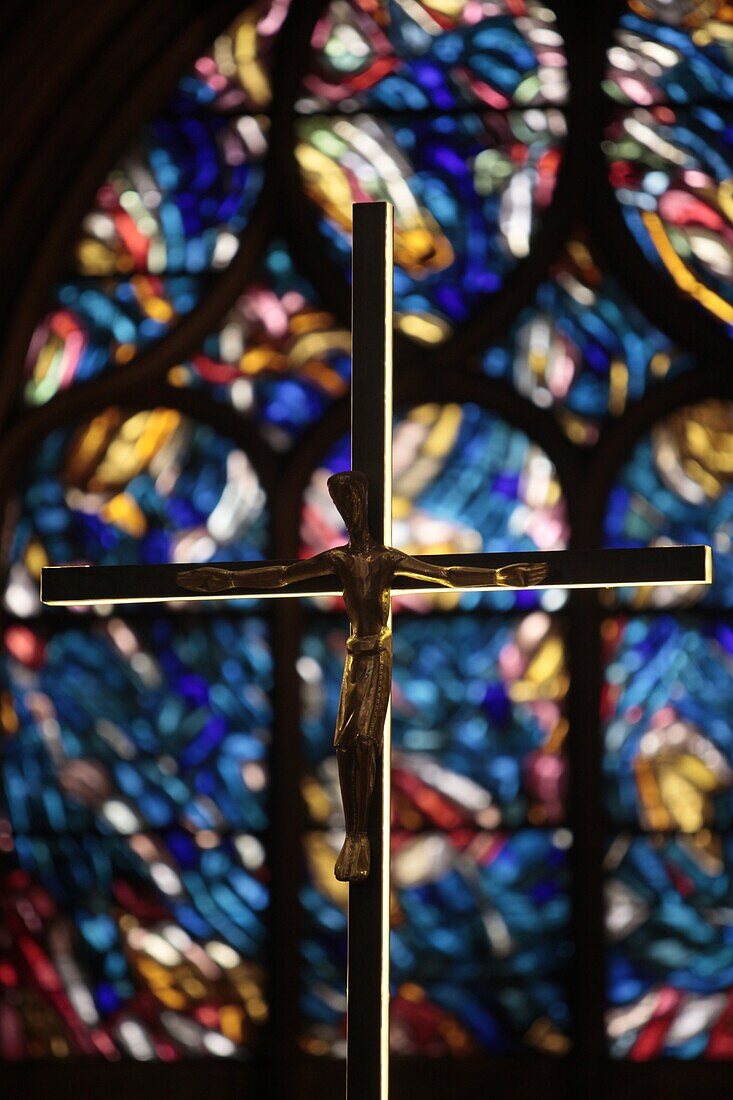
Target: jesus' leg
{"points": [[357, 772], [358, 742]]}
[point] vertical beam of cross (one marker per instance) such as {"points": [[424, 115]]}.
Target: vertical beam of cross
{"points": [[367, 986]]}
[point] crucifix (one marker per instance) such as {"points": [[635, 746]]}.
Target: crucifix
{"points": [[367, 571]]}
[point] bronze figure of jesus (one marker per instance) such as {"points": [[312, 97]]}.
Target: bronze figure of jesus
{"points": [[365, 569]]}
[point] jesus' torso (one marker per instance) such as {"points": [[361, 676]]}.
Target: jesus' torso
{"points": [[366, 577]]}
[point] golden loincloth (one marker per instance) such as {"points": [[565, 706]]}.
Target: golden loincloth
{"points": [[365, 689]]}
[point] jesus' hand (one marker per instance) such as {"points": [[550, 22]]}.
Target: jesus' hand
{"points": [[521, 576], [206, 579]]}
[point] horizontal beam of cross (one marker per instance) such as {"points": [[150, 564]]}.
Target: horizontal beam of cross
{"points": [[91, 584]]}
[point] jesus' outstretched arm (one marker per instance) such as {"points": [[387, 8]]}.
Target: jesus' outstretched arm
{"points": [[211, 578], [520, 575]]}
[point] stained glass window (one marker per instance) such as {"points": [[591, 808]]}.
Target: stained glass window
{"points": [[172, 210], [236, 73], [278, 357], [669, 153], [475, 749], [466, 191], [542, 403], [179, 199], [678, 52], [666, 711], [133, 975], [582, 348], [671, 962], [135, 763], [135, 772], [417, 56], [480, 944], [676, 489], [468, 187], [97, 325], [150, 487], [480, 747], [667, 755], [118, 728], [464, 482], [135, 781], [671, 168]]}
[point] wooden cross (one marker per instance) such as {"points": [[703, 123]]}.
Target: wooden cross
{"points": [[371, 453]]}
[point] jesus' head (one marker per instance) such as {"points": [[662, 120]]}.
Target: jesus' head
{"points": [[349, 494]]}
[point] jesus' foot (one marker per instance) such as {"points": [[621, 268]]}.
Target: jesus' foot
{"points": [[352, 864]]}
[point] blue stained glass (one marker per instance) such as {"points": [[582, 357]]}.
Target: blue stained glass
{"points": [[96, 325], [676, 53], [670, 954], [178, 198], [120, 727], [175, 204], [414, 56], [278, 355], [480, 745], [471, 190], [671, 170], [677, 489], [122, 948], [480, 945], [583, 348], [464, 481], [150, 487], [668, 723]]}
